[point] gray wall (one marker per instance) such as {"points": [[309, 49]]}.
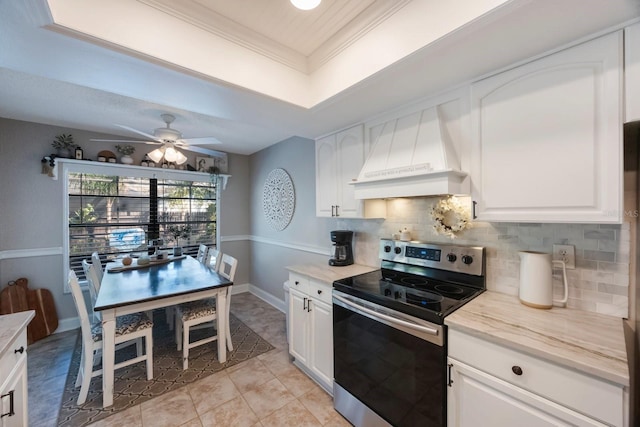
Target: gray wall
{"points": [[296, 156], [31, 215], [234, 217]]}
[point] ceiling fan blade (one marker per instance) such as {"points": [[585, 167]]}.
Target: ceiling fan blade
{"points": [[148, 135], [195, 149], [205, 140], [125, 140]]}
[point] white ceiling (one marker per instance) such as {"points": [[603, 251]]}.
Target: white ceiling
{"points": [[254, 73]]}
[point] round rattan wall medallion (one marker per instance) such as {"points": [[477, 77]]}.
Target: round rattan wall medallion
{"points": [[278, 199]]}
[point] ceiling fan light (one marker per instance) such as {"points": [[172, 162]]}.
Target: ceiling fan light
{"points": [[305, 4], [156, 155], [181, 158], [171, 154]]}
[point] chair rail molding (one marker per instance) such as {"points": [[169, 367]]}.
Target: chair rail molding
{"points": [[28, 253]]}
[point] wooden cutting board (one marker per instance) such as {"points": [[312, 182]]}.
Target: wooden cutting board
{"points": [[134, 266], [13, 299], [20, 298]]}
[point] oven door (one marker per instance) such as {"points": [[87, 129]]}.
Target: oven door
{"points": [[389, 367]]}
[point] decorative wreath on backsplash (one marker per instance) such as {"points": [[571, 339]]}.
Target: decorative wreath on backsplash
{"points": [[450, 217]]}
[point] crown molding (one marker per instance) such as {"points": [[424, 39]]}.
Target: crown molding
{"points": [[195, 14], [368, 20]]}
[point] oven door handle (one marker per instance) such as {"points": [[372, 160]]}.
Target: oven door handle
{"points": [[389, 319]]}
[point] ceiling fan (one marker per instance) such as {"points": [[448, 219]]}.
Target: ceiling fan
{"points": [[169, 139]]}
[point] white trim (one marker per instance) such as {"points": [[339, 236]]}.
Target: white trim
{"points": [[28, 253], [67, 324], [300, 247], [296, 246], [235, 238], [268, 298], [239, 289]]}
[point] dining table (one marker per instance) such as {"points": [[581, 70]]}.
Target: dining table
{"points": [[142, 289]]}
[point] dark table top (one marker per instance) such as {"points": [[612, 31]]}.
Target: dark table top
{"points": [[162, 281]]}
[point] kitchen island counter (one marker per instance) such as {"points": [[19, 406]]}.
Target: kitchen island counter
{"points": [[584, 341]]}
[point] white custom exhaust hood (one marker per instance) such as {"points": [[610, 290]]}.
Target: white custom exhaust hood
{"points": [[414, 155]]}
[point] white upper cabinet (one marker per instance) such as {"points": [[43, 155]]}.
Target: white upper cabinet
{"points": [[632, 72], [339, 158], [547, 138]]}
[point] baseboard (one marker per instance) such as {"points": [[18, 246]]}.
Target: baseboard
{"points": [[238, 289], [268, 298], [67, 324]]}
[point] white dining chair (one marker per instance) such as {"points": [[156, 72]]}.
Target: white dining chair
{"points": [[170, 312], [202, 253], [131, 327], [95, 260], [213, 259], [93, 283], [202, 314]]}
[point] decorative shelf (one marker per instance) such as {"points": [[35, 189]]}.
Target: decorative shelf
{"points": [[106, 168]]}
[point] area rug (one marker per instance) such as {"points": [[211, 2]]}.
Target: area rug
{"points": [[131, 386]]}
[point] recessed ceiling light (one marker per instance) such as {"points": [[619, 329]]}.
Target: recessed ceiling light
{"points": [[305, 4]]}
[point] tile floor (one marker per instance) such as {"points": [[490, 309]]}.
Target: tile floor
{"points": [[267, 390]]}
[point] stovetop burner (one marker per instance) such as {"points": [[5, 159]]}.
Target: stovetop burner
{"points": [[415, 288]]}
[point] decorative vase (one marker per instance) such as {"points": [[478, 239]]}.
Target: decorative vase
{"points": [[126, 160], [177, 251], [63, 153]]}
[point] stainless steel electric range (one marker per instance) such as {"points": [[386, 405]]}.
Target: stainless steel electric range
{"points": [[389, 335]]}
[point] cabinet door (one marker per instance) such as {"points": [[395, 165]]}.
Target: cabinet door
{"points": [[632, 72], [298, 334], [475, 398], [350, 150], [326, 176], [321, 342], [547, 141], [16, 390]]}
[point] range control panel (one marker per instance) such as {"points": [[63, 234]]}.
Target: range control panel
{"points": [[462, 259]]}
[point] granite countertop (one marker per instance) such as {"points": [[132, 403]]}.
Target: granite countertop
{"points": [[327, 273], [588, 342], [11, 325]]}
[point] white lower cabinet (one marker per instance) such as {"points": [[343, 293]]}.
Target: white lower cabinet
{"points": [[13, 384], [311, 328], [491, 385]]}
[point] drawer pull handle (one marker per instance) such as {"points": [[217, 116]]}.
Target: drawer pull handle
{"points": [[19, 350], [319, 291], [297, 283], [516, 370], [11, 412]]}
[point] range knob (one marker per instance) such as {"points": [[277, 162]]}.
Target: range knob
{"points": [[387, 248], [452, 257], [397, 249], [467, 259], [387, 292]]}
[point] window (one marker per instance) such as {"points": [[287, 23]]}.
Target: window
{"points": [[115, 215]]}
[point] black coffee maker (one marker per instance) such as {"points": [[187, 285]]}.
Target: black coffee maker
{"points": [[342, 251]]}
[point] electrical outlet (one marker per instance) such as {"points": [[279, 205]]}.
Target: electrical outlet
{"points": [[566, 253]]}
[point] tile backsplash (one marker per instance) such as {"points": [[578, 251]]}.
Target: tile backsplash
{"points": [[599, 283]]}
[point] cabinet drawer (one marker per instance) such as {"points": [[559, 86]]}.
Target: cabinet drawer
{"points": [[320, 291], [10, 358], [591, 396], [299, 282]]}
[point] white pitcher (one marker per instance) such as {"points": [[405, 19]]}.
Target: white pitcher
{"points": [[536, 283]]}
